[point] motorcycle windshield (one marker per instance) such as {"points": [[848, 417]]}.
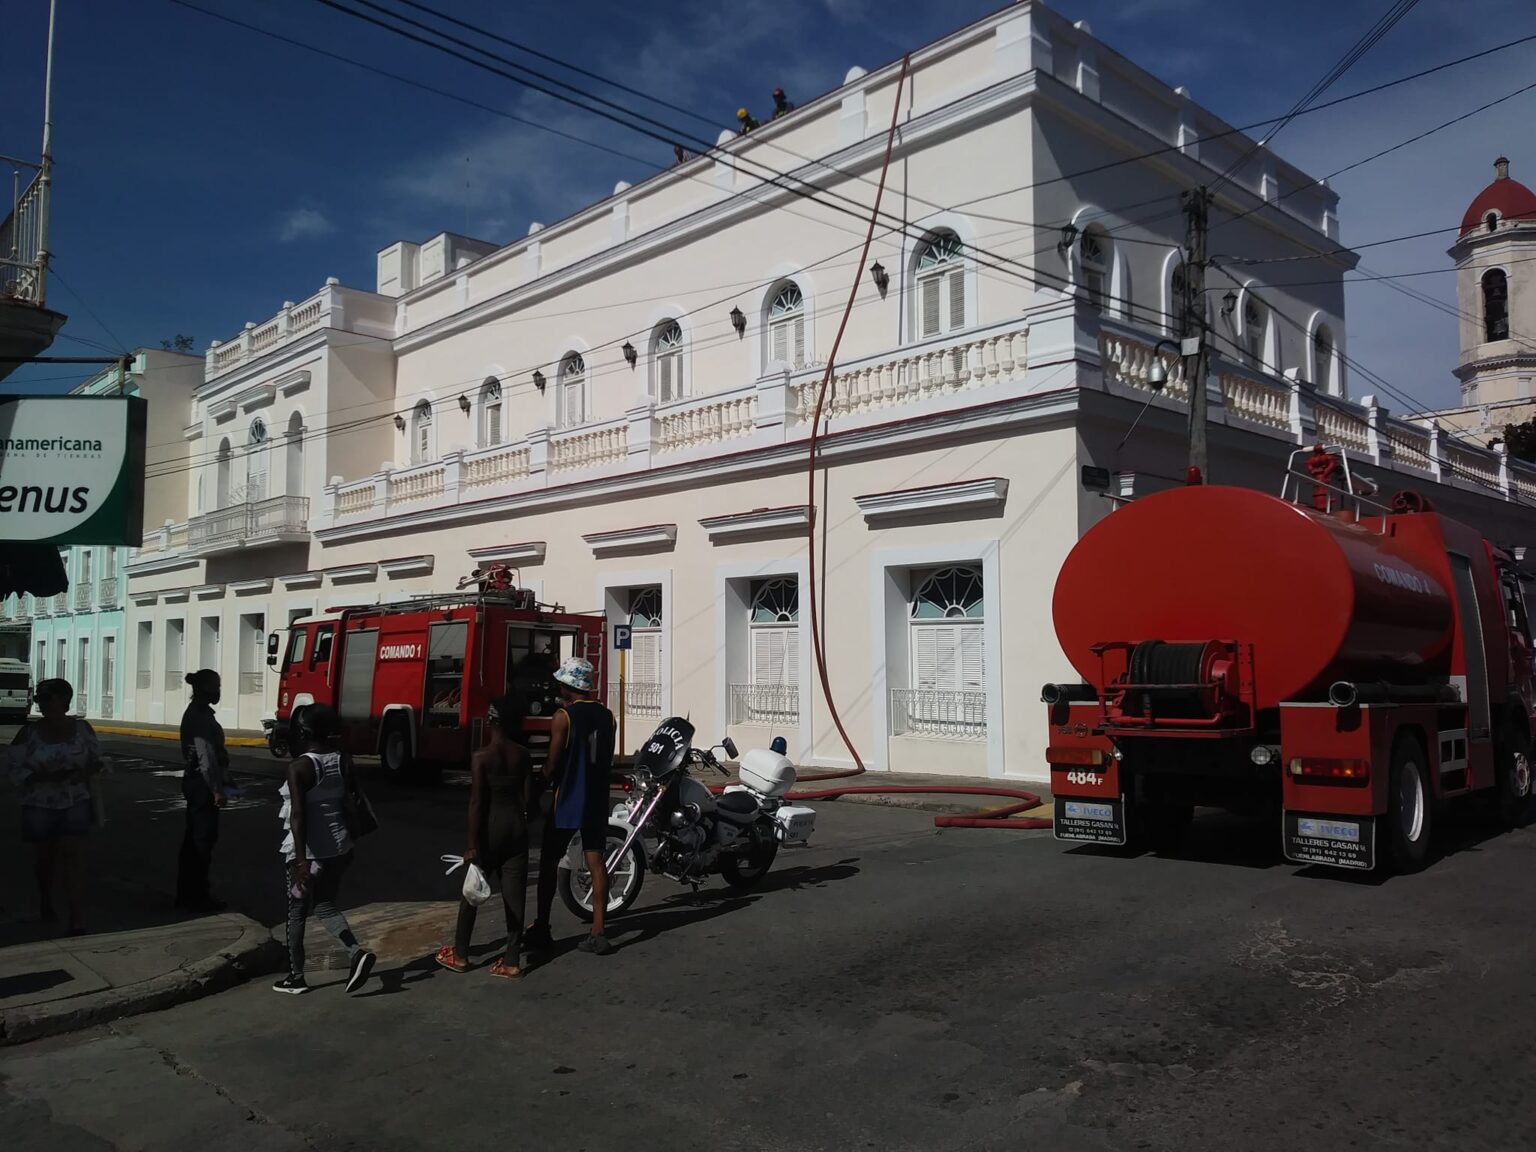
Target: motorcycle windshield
{"points": [[667, 749]]}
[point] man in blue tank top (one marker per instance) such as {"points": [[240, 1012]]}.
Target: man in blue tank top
{"points": [[581, 739]]}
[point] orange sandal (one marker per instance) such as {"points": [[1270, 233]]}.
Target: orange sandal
{"points": [[501, 969], [449, 959]]}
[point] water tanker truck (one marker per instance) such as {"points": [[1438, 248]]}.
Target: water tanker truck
{"points": [[1352, 664]]}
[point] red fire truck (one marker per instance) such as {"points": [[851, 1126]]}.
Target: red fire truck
{"points": [[411, 680], [1355, 664]]}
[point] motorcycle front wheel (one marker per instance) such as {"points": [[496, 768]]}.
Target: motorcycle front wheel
{"points": [[625, 877]]}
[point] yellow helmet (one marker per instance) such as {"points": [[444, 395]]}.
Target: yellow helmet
{"points": [[741, 113]]}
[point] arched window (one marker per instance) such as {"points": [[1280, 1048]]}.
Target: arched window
{"points": [[946, 639], [1255, 316], [786, 325], [643, 682], [667, 362], [571, 392], [256, 461], [773, 649], [1177, 309], [490, 433], [1095, 253], [940, 283], [294, 456], [222, 483], [421, 432], [1323, 376], [1495, 305], [1491, 221]]}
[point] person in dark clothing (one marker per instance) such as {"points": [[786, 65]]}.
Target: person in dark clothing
{"points": [[781, 104], [498, 836], [203, 787], [746, 120], [581, 739]]}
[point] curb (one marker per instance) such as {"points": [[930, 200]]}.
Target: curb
{"points": [[253, 954], [161, 734]]}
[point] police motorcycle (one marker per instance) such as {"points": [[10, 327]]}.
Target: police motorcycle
{"points": [[672, 824]]}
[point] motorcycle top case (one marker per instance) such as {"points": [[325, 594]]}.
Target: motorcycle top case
{"points": [[767, 772]]}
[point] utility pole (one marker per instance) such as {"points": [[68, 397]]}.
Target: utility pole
{"points": [[1194, 347], [45, 175]]}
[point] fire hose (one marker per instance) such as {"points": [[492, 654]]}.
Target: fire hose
{"points": [[999, 817]]}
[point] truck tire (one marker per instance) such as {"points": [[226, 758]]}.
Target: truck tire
{"points": [[1512, 790], [395, 750], [1405, 830]]}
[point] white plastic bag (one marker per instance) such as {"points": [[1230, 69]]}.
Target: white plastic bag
{"points": [[477, 889]]}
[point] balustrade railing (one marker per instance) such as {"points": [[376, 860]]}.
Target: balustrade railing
{"points": [[254, 523], [705, 420], [413, 484], [257, 339], [83, 596], [61, 603], [591, 446], [640, 698], [765, 703], [106, 592], [23, 272], [938, 714], [498, 465]]}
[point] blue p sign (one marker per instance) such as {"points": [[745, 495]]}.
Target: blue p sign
{"points": [[621, 637]]}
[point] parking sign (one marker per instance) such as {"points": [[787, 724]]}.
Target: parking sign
{"points": [[621, 637]]}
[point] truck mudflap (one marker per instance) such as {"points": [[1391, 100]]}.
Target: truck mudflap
{"points": [[1094, 820], [1330, 840]]}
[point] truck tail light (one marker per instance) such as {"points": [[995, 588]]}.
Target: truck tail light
{"points": [[1319, 768], [1075, 757]]}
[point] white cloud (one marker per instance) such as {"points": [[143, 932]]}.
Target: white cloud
{"points": [[303, 224]]}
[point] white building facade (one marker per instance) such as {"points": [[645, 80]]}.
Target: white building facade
{"points": [[620, 405]]}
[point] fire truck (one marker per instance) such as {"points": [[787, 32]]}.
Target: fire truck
{"points": [[1344, 665], [411, 680]]}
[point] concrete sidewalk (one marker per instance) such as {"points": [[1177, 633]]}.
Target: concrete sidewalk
{"points": [[60, 984], [233, 737]]}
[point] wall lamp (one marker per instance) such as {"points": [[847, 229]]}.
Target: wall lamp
{"points": [[1068, 238], [630, 354], [1229, 303], [538, 381], [880, 276], [464, 404], [399, 422], [738, 321]]}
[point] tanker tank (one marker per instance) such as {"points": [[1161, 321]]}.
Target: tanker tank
{"points": [[1318, 597]]}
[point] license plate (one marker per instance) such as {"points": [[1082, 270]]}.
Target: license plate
{"points": [[1335, 841], [1094, 821]]}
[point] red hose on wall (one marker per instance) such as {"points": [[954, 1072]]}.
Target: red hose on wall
{"points": [[991, 818]]}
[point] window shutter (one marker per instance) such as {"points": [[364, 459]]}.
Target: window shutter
{"points": [[930, 292], [493, 425], [957, 300], [972, 659], [791, 654], [800, 341], [645, 657], [664, 373], [775, 655], [925, 663], [779, 342]]}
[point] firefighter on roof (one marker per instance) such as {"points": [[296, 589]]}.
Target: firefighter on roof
{"points": [[781, 104], [748, 121]]}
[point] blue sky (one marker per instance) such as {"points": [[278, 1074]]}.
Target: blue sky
{"points": [[205, 173]]}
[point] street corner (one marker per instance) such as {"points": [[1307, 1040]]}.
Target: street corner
{"points": [[50, 987], [397, 933]]}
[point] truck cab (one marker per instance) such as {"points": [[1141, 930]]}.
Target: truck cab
{"points": [[302, 658]]}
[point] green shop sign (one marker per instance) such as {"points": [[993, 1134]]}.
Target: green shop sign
{"points": [[72, 469]]}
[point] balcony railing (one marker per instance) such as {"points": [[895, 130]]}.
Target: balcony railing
{"points": [[640, 698], [252, 683], [106, 592], [765, 704], [23, 274], [84, 594], [294, 320], [105, 711], [938, 714], [175, 679], [61, 604], [143, 679], [280, 519]]}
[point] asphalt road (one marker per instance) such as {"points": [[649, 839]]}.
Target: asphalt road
{"points": [[893, 987]]}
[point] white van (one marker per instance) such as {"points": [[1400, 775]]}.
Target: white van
{"points": [[15, 689]]}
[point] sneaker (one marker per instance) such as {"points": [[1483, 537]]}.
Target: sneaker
{"points": [[293, 985], [362, 964], [595, 944]]}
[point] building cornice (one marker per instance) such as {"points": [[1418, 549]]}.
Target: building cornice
{"points": [[647, 538], [408, 565], [530, 552], [353, 573], [758, 522], [302, 580], [967, 496]]}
